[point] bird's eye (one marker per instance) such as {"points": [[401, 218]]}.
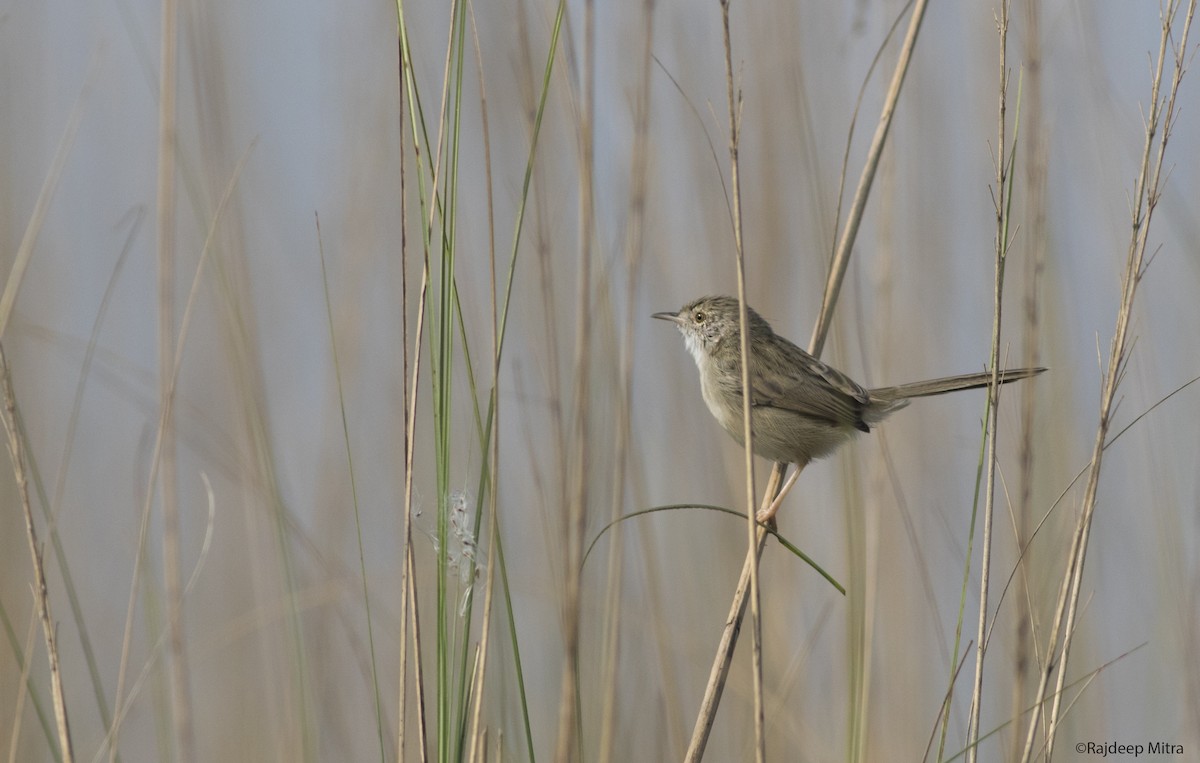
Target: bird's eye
{"points": [[699, 316]]}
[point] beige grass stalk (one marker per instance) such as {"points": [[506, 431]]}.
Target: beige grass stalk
{"points": [[841, 259], [841, 255], [1147, 192], [1035, 165], [733, 626], [1003, 201], [119, 703], [181, 710], [408, 589], [418, 665], [16, 448], [753, 533], [568, 721], [406, 567], [408, 603]]}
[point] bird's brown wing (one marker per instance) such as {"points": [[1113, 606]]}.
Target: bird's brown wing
{"points": [[795, 381]]}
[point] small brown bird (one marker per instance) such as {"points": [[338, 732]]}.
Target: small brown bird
{"points": [[801, 408]]}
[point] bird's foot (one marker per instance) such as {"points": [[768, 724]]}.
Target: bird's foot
{"points": [[768, 514]]}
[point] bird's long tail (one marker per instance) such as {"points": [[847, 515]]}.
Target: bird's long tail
{"points": [[950, 384]]}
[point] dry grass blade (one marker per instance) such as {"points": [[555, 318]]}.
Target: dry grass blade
{"points": [[16, 448], [1004, 187], [756, 538], [408, 575], [406, 567], [418, 669]]}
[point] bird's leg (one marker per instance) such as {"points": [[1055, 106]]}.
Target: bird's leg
{"points": [[768, 514]]}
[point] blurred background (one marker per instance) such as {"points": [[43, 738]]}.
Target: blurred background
{"points": [[293, 114]]}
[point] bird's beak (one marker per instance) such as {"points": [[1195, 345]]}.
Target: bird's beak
{"points": [[672, 317]]}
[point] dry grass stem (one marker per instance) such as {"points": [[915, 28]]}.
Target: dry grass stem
{"points": [[408, 605], [165, 413], [418, 665], [992, 421], [181, 711], [568, 720], [755, 537], [16, 449], [724, 657], [1036, 232], [841, 255], [408, 417]]}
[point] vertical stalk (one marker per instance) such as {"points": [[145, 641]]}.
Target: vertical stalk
{"points": [[1037, 158], [752, 530], [167, 142], [1003, 211], [569, 738]]}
